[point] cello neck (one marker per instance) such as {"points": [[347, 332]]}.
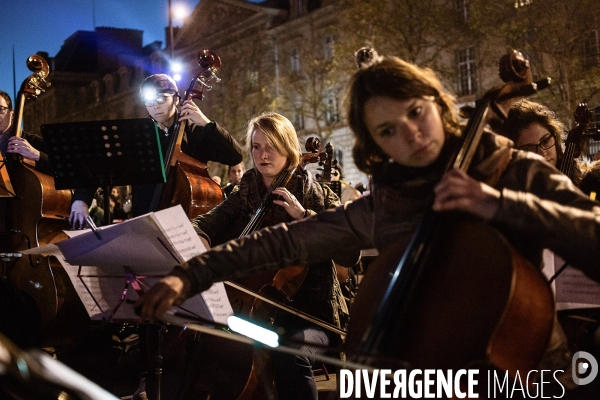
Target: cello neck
{"points": [[259, 215]]}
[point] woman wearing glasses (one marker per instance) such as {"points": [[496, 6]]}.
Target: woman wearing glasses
{"points": [[534, 127], [205, 140]]}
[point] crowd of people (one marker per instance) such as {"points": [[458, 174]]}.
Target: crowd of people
{"points": [[406, 128]]}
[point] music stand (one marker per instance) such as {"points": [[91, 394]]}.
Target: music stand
{"points": [[109, 153]]}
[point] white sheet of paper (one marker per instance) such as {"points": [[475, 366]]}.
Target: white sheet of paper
{"points": [[574, 289], [100, 294], [148, 246], [138, 244]]}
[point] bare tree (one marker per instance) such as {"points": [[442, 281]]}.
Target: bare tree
{"points": [[555, 35], [419, 31], [310, 88]]}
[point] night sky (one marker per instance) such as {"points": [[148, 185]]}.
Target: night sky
{"points": [[43, 25]]}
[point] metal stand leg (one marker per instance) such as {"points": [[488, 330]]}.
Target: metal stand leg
{"points": [[159, 360]]}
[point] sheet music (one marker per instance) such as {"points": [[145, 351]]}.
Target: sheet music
{"points": [[184, 239], [175, 225], [574, 289], [100, 295], [138, 244], [217, 302], [148, 247]]}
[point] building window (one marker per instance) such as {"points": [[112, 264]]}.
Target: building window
{"points": [[253, 78], [328, 47], [295, 61], [462, 7], [298, 119], [332, 114], [522, 3], [467, 71], [592, 48]]}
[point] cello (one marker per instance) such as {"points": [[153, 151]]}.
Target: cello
{"points": [[457, 295], [246, 376], [328, 165], [38, 216], [582, 116], [188, 181], [285, 284]]}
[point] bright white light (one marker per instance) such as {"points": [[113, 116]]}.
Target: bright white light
{"points": [[177, 77], [150, 93], [176, 67], [255, 332], [180, 11]]}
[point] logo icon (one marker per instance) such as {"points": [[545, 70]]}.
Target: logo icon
{"points": [[584, 364]]}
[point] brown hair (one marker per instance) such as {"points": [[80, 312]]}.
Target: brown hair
{"points": [[162, 83], [7, 98], [526, 112], [397, 79]]}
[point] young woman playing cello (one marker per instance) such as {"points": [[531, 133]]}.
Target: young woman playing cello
{"points": [[272, 142], [405, 125]]}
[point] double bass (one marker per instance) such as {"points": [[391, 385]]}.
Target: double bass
{"points": [[188, 181], [37, 216], [457, 295]]}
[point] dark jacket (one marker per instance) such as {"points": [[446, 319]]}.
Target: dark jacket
{"points": [[320, 293], [43, 164], [539, 208]]}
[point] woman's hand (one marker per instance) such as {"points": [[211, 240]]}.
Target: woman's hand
{"points": [[191, 112], [458, 191], [169, 291], [290, 203], [23, 147]]}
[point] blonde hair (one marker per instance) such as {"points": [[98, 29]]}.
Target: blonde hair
{"points": [[280, 135]]}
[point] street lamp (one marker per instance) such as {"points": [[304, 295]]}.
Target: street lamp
{"points": [[170, 30], [178, 12]]}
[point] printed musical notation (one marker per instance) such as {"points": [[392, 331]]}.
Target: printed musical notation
{"points": [[138, 251]]}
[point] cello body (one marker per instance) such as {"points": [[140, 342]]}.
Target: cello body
{"points": [[190, 185], [472, 305], [38, 217]]}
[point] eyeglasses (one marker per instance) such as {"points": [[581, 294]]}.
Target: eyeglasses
{"points": [[547, 142], [3, 109], [158, 100]]}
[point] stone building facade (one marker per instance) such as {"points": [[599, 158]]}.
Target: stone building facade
{"points": [[96, 75], [276, 55]]}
